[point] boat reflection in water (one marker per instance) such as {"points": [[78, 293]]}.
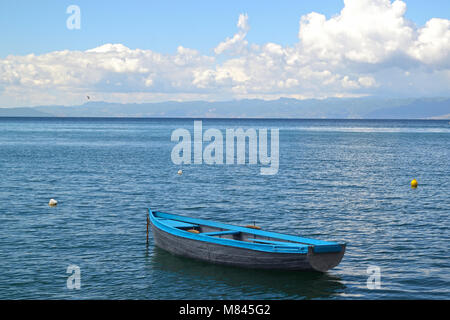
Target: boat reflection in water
{"points": [[195, 279]]}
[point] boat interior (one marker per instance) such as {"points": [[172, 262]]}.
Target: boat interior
{"points": [[249, 236]]}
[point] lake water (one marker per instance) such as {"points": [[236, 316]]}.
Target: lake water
{"points": [[345, 180]]}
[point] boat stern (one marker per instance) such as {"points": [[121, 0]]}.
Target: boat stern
{"points": [[325, 257]]}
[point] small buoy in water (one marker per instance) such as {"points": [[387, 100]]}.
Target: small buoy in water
{"points": [[414, 183], [180, 172], [52, 203]]}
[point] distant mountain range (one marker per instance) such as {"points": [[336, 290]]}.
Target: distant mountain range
{"points": [[332, 108]]}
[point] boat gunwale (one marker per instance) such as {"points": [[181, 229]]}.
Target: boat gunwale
{"points": [[290, 247]]}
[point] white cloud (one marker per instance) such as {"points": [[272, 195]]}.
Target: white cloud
{"points": [[432, 45], [368, 48], [365, 31], [237, 44], [367, 81]]}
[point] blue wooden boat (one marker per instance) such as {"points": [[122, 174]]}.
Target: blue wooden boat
{"points": [[242, 246]]}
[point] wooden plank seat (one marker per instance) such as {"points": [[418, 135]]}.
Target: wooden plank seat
{"points": [[177, 224], [280, 243], [219, 233]]}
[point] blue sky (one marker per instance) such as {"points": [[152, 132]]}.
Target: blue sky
{"points": [[147, 51], [40, 26]]}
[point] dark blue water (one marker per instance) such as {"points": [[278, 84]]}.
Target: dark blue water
{"points": [[338, 180]]}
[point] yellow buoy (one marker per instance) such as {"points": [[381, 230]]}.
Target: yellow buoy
{"points": [[52, 203], [414, 183], [180, 172]]}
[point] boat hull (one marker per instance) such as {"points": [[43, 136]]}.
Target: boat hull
{"points": [[243, 257]]}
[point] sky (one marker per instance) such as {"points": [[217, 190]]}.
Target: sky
{"points": [[144, 51]]}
